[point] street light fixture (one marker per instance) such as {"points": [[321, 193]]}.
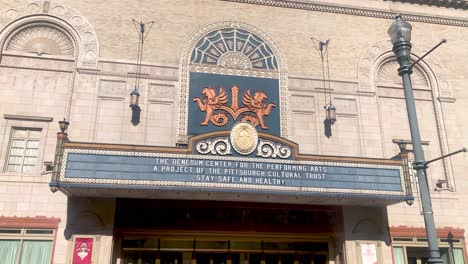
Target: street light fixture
{"points": [[63, 125], [400, 35]]}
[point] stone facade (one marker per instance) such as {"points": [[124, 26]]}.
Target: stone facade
{"points": [[76, 60]]}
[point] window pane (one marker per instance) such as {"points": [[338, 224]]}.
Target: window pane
{"points": [[31, 152], [9, 251], [14, 168], [15, 160], [40, 231], [34, 134], [10, 231], [37, 252], [33, 144], [444, 255], [458, 256], [20, 133], [28, 168], [399, 255], [30, 161], [18, 143], [17, 152]]}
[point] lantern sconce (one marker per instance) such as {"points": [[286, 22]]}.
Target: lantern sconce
{"points": [[331, 113], [134, 99], [322, 48], [135, 94]]}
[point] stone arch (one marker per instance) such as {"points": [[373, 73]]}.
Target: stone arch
{"points": [[428, 72], [382, 51], [230, 62], [56, 18]]}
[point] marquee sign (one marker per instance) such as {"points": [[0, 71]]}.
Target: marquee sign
{"points": [[240, 160]]}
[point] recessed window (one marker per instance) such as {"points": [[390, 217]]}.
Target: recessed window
{"points": [[408, 250], [26, 246], [24, 150]]}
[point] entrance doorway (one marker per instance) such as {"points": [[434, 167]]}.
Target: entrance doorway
{"points": [[214, 232], [206, 251]]}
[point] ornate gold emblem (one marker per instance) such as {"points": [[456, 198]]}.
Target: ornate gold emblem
{"points": [[255, 107], [244, 138]]}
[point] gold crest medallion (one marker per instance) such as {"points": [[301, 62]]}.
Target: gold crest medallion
{"points": [[244, 138]]}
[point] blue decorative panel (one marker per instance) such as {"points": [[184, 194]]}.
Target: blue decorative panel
{"points": [[217, 102], [220, 44]]}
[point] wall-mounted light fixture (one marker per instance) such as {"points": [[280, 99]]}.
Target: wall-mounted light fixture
{"points": [[330, 109], [134, 98], [135, 94], [331, 113]]}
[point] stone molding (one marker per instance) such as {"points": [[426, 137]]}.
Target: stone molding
{"points": [[29, 222], [442, 232], [349, 10], [30, 12], [28, 118]]}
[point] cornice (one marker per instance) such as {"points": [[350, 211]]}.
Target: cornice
{"points": [[29, 222], [459, 4], [349, 10], [442, 232]]}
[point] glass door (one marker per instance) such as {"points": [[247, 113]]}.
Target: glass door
{"points": [[191, 251]]}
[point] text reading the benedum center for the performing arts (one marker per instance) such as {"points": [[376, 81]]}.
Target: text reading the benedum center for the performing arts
{"points": [[239, 172]]}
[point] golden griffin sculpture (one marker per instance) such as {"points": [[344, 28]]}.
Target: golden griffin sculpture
{"points": [[254, 110]]}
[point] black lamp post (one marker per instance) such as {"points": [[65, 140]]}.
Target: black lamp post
{"points": [[400, 35], [62, 137]]}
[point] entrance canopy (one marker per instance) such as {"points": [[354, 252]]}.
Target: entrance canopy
{"points": [[237, 165]]}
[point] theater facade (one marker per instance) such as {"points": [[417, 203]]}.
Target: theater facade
{"points": [[230, 154]]}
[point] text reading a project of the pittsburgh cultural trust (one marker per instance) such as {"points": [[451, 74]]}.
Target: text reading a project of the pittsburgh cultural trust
{"points": [[240, 172]]}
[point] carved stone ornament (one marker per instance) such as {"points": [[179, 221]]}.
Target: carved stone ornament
{"points": [[232, 54], [13, 20], [41, 39], [386, 75], [244, 138], [234, 60], [269, 149], [218, 146]]}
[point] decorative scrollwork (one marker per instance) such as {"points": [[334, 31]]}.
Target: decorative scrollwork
{"points": [[220, 146], [250, 118], [268, 149], [220, 119], [234, 47]]}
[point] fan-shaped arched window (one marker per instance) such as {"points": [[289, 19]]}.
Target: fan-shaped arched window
{"points": [[41, 38]]}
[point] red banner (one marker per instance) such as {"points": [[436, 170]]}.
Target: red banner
{"points": [[83, 250]]}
